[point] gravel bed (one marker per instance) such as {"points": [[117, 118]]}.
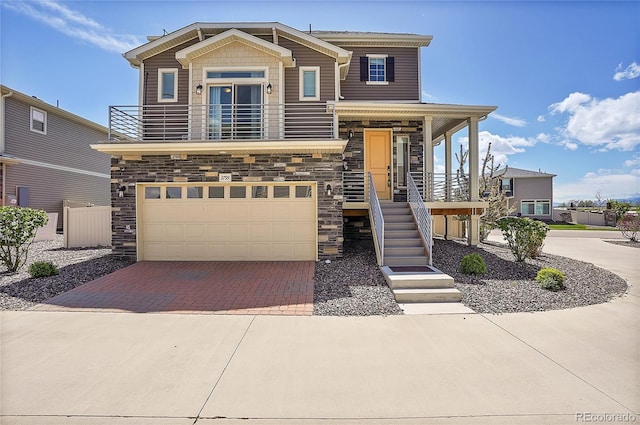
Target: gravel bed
{"points": [[509, 286], [630, 244], [77, 266], [352, 285]]}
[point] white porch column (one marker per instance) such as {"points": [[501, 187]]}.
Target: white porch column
{"points": [[473, 236], [427, 149], [448, 165]]}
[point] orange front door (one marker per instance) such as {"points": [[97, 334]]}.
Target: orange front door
{"points": [[377, 153]]}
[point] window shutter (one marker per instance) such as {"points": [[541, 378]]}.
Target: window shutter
{"points": [[364, 68], [391, 70]]}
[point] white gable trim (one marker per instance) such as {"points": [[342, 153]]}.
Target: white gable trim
{"points": [[185, 56]]}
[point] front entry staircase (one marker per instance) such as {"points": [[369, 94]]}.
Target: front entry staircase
{"points": [[406, 261]]}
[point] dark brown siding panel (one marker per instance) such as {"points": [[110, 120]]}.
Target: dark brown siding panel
{"points": [[308, 57], [166, 59], [405, 86]]}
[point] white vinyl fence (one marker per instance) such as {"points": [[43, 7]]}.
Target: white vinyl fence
{"points": [[592, 218], [87, 226]]}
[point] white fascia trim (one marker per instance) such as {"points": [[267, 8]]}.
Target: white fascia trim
{"points": [[187, 54], [62, 168]]}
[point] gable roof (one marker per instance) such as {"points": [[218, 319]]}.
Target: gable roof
{"points": [[185, 56], [41, 104], [204, 30], [520, 173]]}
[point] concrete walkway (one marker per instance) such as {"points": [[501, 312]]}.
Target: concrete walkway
{"points": [[569, 366]]}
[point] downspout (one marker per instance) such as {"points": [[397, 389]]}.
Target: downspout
{"points": [[340, 96], [2, 145]]}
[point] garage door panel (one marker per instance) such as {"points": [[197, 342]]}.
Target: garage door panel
{"points": [[238, 232], [195, 232], [220, 229], [174, 232], [259, 232]]}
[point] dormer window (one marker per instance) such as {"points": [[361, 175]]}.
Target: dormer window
{"points": [[377, 69]]}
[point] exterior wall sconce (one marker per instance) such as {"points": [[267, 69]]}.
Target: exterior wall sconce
{"points": [[328, 190], [350, 134], [269, 88], [121, 191], [199, 89]]}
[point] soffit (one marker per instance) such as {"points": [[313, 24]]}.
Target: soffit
{"points": [[223, 148], [185, 56]]}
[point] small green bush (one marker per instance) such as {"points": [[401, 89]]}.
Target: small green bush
{"points": [[43, 269], [473, 264], [551, 279], [525, 237]]}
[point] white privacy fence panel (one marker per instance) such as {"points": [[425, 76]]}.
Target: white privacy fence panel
{"points": [[87, 227]]}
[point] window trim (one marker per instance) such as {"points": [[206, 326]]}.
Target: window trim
{"points": [[535, 204], [406, 140], [301, 95], [33, 109], [173, 71], [386, 79]]}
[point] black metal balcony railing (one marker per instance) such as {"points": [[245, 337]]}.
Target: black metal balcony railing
{"points": [[215, 122]]}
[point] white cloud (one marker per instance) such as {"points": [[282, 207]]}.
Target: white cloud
{"points": [[74, 24], [630, 72], [611, 184], [541, 118], [516, 122], [604, 124], [544, 138], [501, 147], [569, 145], [632, 162]]}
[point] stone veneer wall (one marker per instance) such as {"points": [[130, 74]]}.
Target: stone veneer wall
{"points": [[354, 152], [326, 169]]}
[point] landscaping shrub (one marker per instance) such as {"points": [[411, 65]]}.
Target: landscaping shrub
{"points": [[18, 227], [43, 269], [629, 225], [473, 264], [525, 237], [551, 279]]}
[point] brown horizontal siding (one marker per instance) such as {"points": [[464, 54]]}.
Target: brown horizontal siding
{"points": [[405, 86], [308, 57], [66, 143], [166, 59]]}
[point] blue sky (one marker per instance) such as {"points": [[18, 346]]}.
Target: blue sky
{"points": [[565, 75]]}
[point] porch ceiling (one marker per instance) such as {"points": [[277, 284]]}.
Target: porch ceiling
{"points": [[223, 148]]}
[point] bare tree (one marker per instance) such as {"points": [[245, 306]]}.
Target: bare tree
{"points": [[599, 199], [490, 189]]}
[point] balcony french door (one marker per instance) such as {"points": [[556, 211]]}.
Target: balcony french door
{"points": [[235, 111]]}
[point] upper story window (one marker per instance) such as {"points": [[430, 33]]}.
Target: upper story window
{"points": [[506, 186], [38, 121], [309, 83], [235, 74], [167, 85], [377, 69]]}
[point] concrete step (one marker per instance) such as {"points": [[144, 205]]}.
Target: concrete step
{"points": [[410, 280], [405, 260], [401, 242], [435, 308], [427, 295], [403, 251]]}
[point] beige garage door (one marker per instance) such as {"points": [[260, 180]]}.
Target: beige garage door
{"points": [[227, 222]]}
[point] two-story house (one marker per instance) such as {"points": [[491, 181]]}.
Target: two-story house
{"points": [[256, 141], [46, 158], [530, 193]]}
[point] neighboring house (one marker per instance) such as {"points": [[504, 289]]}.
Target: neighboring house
{"points": [[46, 158], [255, 141], [530, 193]]}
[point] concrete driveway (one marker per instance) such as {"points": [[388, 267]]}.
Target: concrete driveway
{"points": [[556, 367]]}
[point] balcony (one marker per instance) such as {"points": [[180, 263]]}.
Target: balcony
{"points": [[221, 122], [440, 187]]}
